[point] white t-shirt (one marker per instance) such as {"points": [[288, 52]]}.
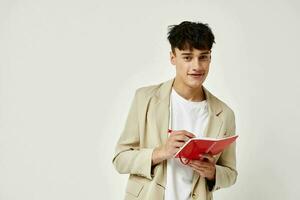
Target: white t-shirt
{"points": [[192, 117]]}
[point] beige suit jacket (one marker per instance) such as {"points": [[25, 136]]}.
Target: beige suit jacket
{"points": [[146, 128]]}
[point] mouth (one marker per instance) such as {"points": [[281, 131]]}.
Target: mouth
{"points": [[196, 75]]}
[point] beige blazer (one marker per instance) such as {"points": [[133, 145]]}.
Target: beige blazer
{"points": [[146, 128]]}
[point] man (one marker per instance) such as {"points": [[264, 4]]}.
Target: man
{"points": [[145, 150]]}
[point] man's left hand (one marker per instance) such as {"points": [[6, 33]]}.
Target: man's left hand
{"points": [[205, 166]]}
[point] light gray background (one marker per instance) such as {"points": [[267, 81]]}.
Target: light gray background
{"points": [[69, 69]]}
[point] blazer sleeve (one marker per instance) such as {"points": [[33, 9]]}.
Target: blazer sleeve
{"points": [[129, 158], [226, 173]]}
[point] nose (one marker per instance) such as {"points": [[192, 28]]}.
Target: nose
{"points": [[197, 64]]}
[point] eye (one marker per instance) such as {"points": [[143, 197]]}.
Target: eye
{"points": [[204, 57], [187, 58]]}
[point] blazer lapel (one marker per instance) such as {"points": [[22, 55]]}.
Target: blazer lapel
{"points": [[214, 121], [162, 112], [162, 116]]}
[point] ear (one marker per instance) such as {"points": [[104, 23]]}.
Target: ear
{"points": [[172, 58]]}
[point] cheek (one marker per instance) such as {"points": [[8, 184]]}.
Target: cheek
{"points": [[207, 66], [183, 68]]}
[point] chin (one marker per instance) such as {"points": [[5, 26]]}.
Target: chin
{"points": [[195, 84]]}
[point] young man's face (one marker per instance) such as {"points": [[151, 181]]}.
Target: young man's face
{"points": [[191, 66]]}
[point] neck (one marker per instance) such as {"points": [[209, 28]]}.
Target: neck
{"points": [[190, 94]]}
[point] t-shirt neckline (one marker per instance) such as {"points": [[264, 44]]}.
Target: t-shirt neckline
{"points": [[183, 100]]}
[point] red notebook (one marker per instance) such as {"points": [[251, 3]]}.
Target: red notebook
{"points": [[197, 146]]}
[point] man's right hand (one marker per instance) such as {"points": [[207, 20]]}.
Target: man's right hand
{"points": [[176, 140]]}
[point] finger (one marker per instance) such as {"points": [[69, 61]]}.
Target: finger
{"points": [[177, 132], [185, 160], [196, 162], [178, 144], [209, 157], [200, 156], [190, 135], [181, 137], [203, 171], [200, 171], [184, 132], [200, 166], [201, 163]]}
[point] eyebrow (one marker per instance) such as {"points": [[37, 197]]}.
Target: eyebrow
{"points": [[189, 53]]}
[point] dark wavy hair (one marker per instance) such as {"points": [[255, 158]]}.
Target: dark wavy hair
{"points": [[189, 35]]}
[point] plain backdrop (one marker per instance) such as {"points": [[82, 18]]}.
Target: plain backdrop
{"points": [[69, 70]]}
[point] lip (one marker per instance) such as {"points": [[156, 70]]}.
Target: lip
{"points": [[196, 75]]}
